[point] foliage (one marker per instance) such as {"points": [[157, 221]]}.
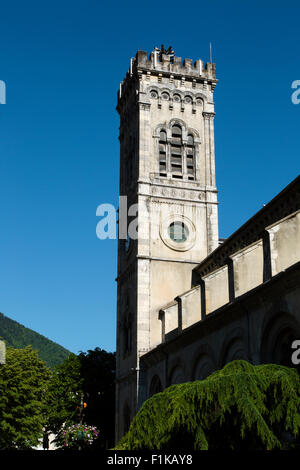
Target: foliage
{"points": [[98, 369], [34, 397], [23, 383], [83, 389], [239, 407], [18, 336], [79, 436], [64, 396]]}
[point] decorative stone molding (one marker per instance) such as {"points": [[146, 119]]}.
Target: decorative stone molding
{"points": [[177, 193], [177, 96]]}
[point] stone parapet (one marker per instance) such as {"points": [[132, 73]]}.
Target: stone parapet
{"points": [[162, 66]]}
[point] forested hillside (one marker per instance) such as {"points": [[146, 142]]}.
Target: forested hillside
{"points": [[18, 336]]}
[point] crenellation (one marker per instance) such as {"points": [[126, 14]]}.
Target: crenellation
{"points": [[188, 63], [177, 60], [165, 66]]}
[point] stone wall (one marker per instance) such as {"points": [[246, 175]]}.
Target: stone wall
{"points": [[245, 304], [247, 273]]}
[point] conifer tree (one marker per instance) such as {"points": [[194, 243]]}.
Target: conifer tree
{"points": [[239, 407]]}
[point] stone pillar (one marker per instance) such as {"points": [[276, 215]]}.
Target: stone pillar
{"points": [[144, 138], [212, 149], [206, 117], [209, 148]]}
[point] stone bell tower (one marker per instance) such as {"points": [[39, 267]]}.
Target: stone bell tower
{"points": [[167, 173]]}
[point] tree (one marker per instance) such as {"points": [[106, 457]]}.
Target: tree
{"points": [[23, 385], [82, 389], [239, 407], [64, 396], [98, 370]]}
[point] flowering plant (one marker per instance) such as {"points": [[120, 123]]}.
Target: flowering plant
{"points": [[79, 435]]}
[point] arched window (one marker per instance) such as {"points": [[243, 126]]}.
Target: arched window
{"points": [[177, 376], [203, 368], [163, 153], [176, 152], [177, 159], [155, 386], [190, 157], [280, 331]]}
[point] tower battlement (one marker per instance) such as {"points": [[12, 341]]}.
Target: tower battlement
{"points": [[163, 63], [169, 63]]}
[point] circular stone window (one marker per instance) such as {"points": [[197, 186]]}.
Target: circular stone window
{"points": [[165, 96], [178, 232], [153, 94]]}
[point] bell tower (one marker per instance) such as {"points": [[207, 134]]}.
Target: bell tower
{"points": [[167, 179]]}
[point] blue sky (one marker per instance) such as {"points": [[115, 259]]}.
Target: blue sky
{"points": [[62, 62]]}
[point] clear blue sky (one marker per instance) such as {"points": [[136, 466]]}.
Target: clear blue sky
{"points": [[62, 62]]}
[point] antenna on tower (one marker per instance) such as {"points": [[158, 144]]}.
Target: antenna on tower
{"points": [[210, 52]]}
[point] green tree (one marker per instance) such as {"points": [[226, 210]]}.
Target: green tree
{"points": [[239, 407], [64, 396], [98, 370], [82, 389], [23, 384]]}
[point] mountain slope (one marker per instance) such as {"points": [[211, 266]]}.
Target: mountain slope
{"points": [[18, 336]]}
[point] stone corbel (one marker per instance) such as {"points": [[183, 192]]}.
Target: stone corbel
{"points": [[194, 106]]}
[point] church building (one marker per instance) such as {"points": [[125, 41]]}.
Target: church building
{"points": [[188, 302]]}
